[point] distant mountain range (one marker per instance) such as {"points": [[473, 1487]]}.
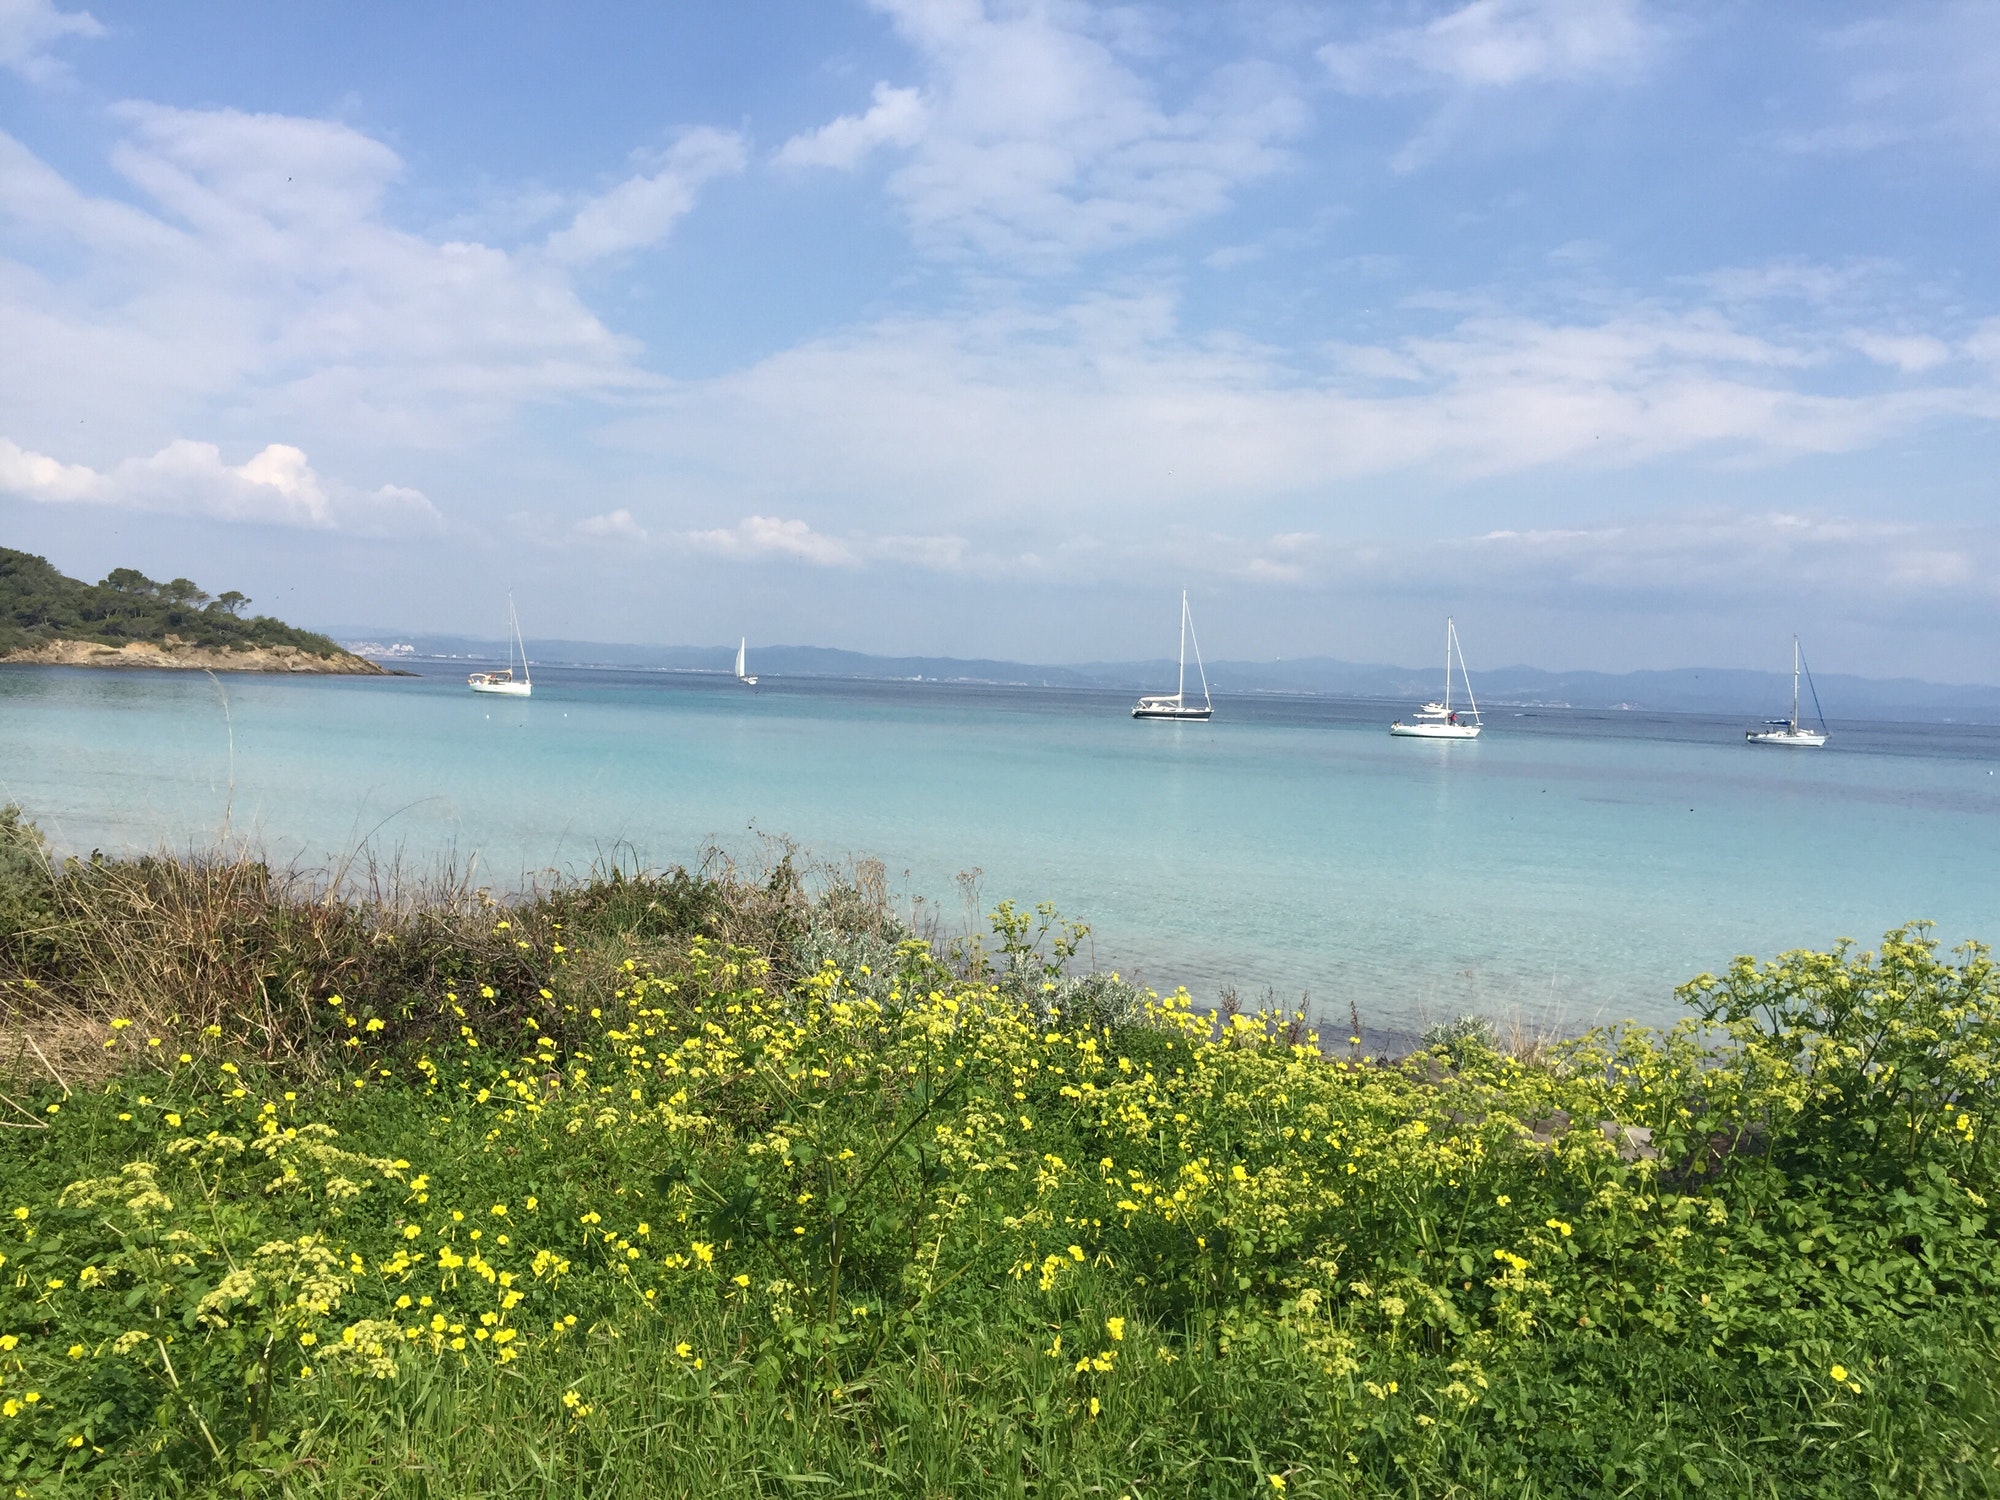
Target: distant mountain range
{"points": [[1681, 690]]}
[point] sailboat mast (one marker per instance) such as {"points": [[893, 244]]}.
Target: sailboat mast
{"points": [[1180, 689], [1795, 684], [1450, 635]]}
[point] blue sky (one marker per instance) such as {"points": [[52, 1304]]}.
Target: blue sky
{"points": [[1632, 333]]}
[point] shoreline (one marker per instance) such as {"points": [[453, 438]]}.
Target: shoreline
{"points": [[181, 657]]}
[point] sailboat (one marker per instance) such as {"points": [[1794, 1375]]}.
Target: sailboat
{"points": [[742, 646], [1440, 721], [1789, 731], [505, 681], [1174, 705]]}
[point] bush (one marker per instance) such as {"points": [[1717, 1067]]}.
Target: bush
{"points": [[610, 1197], [26, 878]]}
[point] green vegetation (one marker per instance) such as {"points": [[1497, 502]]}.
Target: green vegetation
{"points": [[681, 1184], [39, 605]]}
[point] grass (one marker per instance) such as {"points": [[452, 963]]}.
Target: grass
{"points": [[705, 1184]]}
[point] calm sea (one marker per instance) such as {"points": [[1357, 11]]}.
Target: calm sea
{"points": [[1566, 868]]}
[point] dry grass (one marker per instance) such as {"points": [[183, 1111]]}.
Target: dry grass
{"points": [[219, 948]]}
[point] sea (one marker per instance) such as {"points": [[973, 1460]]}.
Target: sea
{"points": [[1566, 869]]}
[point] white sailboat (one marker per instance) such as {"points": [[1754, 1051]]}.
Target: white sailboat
{"points": [[505, 681], [1440, 721], [1790, 731], [1174, 705], [742, 647]]}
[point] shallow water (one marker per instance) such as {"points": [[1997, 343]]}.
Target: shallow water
{"points": [[1565, 868]]}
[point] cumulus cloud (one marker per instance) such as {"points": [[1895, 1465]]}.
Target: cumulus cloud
{"points": [[1036, 138], [643, 209], [28, 28], [896, 118], [275, 486], [1499, 44]]}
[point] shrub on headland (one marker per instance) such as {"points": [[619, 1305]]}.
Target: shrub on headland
{"points": [[677, 1184]]}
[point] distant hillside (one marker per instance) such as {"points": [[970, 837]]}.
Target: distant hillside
{"points": [[1717, 690], [130, 620]]}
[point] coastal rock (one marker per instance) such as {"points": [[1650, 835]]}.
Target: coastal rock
{"points": [[176, 653]]}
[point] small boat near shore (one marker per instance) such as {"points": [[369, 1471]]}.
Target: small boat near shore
{"points": [[504, 681], [1175, 705], [742, 649], [1790, 732], [1439, 720]]}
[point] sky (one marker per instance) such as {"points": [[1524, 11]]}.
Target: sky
{"points": [[1630, 333]]}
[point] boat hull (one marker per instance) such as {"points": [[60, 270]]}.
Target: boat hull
{"points": [[504, 689], [1199, 715], [1435, 731], [1804, 739]]}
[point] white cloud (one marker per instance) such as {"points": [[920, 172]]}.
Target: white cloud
{"points": [[275, 486], [1036, 139], [1717, 554], [258, 272], [896, 118], [1106, 413], [1476, 53], [28, 28], [1912, 76], [1912, 353], [759, 538], [643, 209], [1500, 44], [613, 526], [1801, 280]]}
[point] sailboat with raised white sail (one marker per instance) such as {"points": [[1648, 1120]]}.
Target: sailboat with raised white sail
{"points": [[1175, 705], [1790, 731], [505, 681], [742, 651], [1439, 720]]}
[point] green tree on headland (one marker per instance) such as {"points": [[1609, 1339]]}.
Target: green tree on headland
{"points": [[38, 605]]}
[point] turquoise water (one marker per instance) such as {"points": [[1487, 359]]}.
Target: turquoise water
{"points": [[1566, 868]]}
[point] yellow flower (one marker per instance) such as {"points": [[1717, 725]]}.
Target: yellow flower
{"points": [[1115, 1327], [1838, 1372], [1503, 1200], [740, 1280], [1277, 1481]]}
